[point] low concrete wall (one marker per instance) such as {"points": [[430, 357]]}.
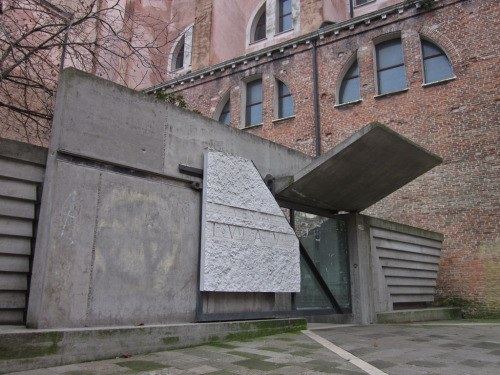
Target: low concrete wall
{"points": [[421, 315], [22, 168], [119, 234], [22, 350]]}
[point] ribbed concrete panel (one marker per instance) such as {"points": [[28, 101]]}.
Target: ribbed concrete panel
{"points": [[13, 281], [12, 299], [398, 281], [408, 298], [15, 245], [397, 255], [21, 170], [411, 290], [409, 248], [409, 264], [406, 238], [16, 227], [17, 189], [424, 274], [14, 263], [11, 317], [17, 208]]}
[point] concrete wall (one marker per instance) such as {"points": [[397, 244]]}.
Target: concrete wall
{"points": [[390, 264], [22, 168], [119, 234]]}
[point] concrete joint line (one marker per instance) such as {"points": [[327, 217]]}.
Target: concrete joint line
{"points": [[366, 367]]}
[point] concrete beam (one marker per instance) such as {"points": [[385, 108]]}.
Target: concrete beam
{"points": [[366, 167]]}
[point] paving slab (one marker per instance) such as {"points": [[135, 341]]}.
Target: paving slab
{"points": [[411, 349]]}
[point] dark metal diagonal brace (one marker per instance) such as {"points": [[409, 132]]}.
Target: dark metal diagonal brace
{"points": [[320, 280]]}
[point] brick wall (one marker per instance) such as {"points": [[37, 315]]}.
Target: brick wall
{"points": [[458, 120]]}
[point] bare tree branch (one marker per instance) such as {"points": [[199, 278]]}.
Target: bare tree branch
{"points": [[104, 37]]}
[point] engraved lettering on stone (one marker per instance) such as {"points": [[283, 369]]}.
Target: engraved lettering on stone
{"points": [[248, 244]]}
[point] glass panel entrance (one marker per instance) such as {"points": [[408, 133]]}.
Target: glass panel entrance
{"points": [[325, 241]]}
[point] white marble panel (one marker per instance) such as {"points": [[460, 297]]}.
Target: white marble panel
{"points": [[247, 243]]}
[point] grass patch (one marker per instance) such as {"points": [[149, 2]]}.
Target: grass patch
{"points": [[141, 365]]}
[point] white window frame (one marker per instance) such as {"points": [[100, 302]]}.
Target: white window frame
{"points": [[271, 8], [186, 38]]}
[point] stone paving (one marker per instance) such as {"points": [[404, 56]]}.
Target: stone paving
{"points": [[417, 349]]}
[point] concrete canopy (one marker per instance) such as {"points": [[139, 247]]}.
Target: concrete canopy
{"points": [[368, 166]]}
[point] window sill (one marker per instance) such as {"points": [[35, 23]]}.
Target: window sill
{"points": [[438, 82], [253, 126], [348, 103], [257, 41], [283, 32], [360, 5], [184, 69], [391, 93], [283, 119]]}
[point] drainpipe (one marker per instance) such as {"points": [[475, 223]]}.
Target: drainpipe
{"points": [[351, 9], [316, 101]]}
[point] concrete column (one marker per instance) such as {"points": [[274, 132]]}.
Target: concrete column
{"points": [[361, 269]]}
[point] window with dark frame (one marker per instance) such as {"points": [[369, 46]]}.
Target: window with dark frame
{"points": [[253, 103], [349, 88], [179, 57], [260, 28], [285, 15], [225, 115], [391, 71], [285, 101], [437, 66]]}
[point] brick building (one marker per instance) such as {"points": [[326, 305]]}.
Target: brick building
{"points": [[307, 74]]}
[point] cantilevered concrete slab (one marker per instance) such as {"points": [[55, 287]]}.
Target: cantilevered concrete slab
{"points": [[366, 167]]}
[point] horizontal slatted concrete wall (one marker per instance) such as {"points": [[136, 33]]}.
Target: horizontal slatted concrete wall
{"points": [[22, 168], [409, 263]]}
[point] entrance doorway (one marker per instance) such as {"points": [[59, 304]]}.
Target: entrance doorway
{"points": [[324, 263]]}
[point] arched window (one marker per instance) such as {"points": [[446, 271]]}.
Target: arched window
{"points": [[253, 102], [180, 57], [283, 101], [270, 18], [179, 54], [225, 114], [437, 66], [391, 72], [223, 110], [284, 15], [349, 86], [259, 27]]}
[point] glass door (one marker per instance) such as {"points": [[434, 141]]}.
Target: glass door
{"points": [[325, 282]]}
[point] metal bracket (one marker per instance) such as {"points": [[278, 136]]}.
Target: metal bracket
{"points": [[191, 171]]}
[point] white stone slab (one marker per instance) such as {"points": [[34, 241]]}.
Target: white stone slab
{"points": [[247, 243]]}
